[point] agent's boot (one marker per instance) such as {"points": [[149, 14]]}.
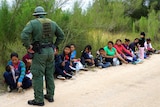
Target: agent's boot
{"points": [[33, 102], [49, 99]]}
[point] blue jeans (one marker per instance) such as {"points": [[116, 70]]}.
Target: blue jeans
{"points": [[26, 83], [104, 65]]}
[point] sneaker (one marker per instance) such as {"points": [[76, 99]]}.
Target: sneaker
{"points": [[100, 67], [84, 69], [73, 78], [72, 68], [73, 73], [93, 66], [68, 74], [33, 102], [134, 63], [20, 89], [139, 61], [9, 89], [61, 77]]}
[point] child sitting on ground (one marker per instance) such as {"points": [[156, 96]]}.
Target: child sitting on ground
{"points": [[100, 59], [63, 64], [58, 72], [148, 47], [87, 57], [27, 59], [76, 61]]}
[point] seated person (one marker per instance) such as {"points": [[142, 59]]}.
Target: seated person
{"points": [[76, 61], [126, 44], [112, 55], [58, 72], [126, 54], [73, 52], [135, 57], [27, 59], [87, 57], [15, 74], [148, 47], [100, 59], [134, 45], [63, 65]]}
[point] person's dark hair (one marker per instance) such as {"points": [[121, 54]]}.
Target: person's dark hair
{"points": [[14, 54], [148, 39], [111, 42], [136, 39], [67, 46], [142, 33], [89, 47], [56, 47], [127, 40], [101, 49], [72, 45], [118, 40], [8, 68]]}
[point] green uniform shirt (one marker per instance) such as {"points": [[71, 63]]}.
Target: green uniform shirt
{"points": [[34, 32], [110, 52]]}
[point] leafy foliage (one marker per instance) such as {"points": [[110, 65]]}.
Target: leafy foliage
{"points": [[104, 20]]}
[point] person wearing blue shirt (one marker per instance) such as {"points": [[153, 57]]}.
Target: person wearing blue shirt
{"points": [[15, 74]]}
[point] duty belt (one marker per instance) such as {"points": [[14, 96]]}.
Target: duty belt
{"points": [[46, 45]]}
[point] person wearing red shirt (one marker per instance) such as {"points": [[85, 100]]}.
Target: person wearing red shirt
{"points": [[122, 50]]}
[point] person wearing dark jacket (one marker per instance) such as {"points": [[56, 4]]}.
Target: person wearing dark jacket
{"points": [[87, 57], [141, 45], [63, 64], [134, 45]]}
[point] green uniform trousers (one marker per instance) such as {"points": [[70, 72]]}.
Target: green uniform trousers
{"points": [[42, 65]]}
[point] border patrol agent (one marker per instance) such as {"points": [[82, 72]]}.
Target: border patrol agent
{"points": [[37, 37]]}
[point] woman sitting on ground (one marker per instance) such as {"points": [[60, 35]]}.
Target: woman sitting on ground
{"points": [[126, 44], [112, 54], [87, 57], [15, 74], [126, 54]]}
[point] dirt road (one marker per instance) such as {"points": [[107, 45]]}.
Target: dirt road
{"points": [[122, 86]]}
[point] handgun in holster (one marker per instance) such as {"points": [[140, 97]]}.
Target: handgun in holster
{"points": [[36, 47]]}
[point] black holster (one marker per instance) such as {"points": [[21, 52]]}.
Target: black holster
{"points": [[36, 47]]}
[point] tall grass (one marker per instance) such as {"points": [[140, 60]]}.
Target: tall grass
{"points": [[96, 38]]}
